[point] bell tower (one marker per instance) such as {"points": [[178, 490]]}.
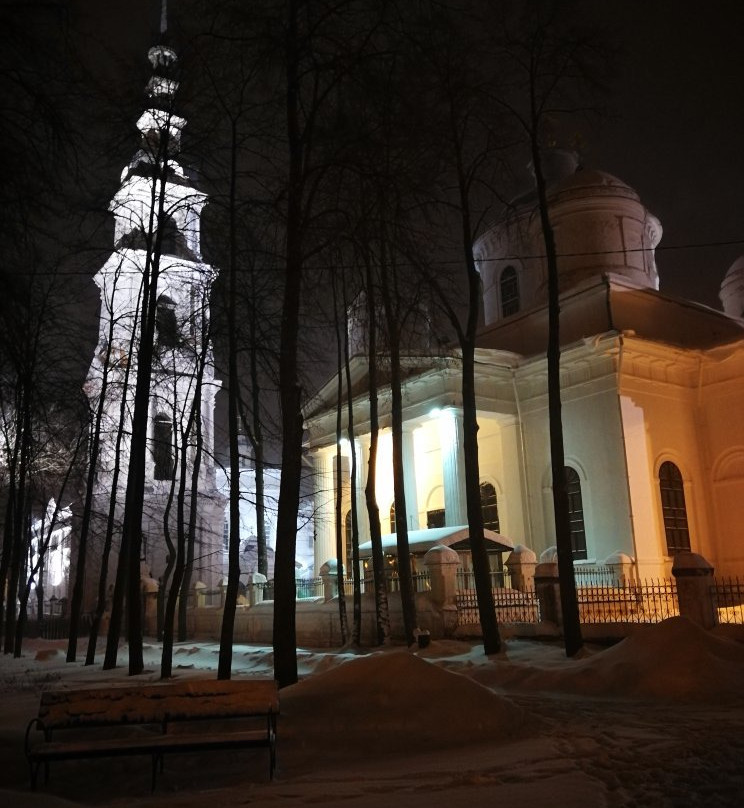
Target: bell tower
{"points": [[157, 217]]}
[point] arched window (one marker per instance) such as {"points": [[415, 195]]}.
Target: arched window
{"points": [[575, 514], [393, 527], [165, 321], [163, 447], [489, 507], [509, 288], [172, 241], [133, 240], [673, 508]]}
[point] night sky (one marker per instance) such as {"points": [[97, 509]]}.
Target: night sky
{"points": [[673, 130]]}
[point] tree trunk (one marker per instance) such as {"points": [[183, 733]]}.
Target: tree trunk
{"points": [[382, 613], [481, 572], [355, 572], [112, 641], [569, 602], [405, 577], [285, 635], [193, 513], [233, 552], [339, 487], [80, 569]]}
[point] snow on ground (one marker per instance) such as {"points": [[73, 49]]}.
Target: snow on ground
{"points": [[656, 720]]}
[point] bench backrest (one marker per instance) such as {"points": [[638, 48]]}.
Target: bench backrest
{"points": [[158, 703]]}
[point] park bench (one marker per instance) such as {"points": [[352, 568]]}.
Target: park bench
{"points": [[153, 719]]}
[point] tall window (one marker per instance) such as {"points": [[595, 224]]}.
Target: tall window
{"points": [[489, 507], [673, 508], [347, 547], [509, 288], [393, 528], [172, 241], [163, 447], [165, 321], [575, 514]]}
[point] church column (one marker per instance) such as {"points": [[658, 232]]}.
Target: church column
{"points": [[362, 460], [453, 467], [325, 517], [409, 478], [513, 513]]}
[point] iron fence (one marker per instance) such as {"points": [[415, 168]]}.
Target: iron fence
{"points": [[511, 606], [594, 575], [727, 596], [647, 602], [56, 627], [309, 588], [500, 579]]}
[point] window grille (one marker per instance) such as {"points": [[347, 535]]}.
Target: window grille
{"points": [[576, 514], [674, 509], [489, 507]]}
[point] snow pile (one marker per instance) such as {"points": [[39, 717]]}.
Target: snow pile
{"points": [[392, 701], [673, 660]]}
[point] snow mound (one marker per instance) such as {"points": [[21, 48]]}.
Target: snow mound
{"points": [[674, 660], [392, 701], [47, 655]]}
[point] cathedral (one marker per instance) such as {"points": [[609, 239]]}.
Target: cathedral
{"points": [[652, 391]]}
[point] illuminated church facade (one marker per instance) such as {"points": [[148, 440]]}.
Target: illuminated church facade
{"points": [[652, 391]]}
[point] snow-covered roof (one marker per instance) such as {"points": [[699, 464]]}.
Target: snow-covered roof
{"points": [[419, 541]]}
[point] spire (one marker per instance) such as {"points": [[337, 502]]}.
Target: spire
{"points": [[159, 117]]}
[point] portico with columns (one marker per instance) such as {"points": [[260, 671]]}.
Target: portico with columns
{"points": [[433, 460]]}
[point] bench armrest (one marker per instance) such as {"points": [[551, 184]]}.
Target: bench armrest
{"points": [[34, 723]]}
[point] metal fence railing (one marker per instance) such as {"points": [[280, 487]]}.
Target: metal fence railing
{"points": [[511, 606], [727, 597], [594, 575], [647, 602], [500, 579]]}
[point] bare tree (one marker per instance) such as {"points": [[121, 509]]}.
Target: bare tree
{"points": [[558, 67]]}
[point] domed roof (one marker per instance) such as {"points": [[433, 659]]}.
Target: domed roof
{"points": [[592, 183], [736, 270], [731, 293]]}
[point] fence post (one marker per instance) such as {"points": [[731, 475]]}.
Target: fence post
{"points": [[256, 585], [521, 564], [694, 576], [329, 576], [442, 563], [200, 594], [548, 592], [622, 568]]}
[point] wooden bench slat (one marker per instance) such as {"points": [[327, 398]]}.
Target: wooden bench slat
{"points": [[141, 718], [158, 703]]}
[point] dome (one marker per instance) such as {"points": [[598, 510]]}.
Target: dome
{"points": [[732, 289], [592, 183], [600, 227]]}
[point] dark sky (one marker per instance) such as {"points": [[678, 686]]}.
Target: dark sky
{"points": [[678, 135], [675, 129]]}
